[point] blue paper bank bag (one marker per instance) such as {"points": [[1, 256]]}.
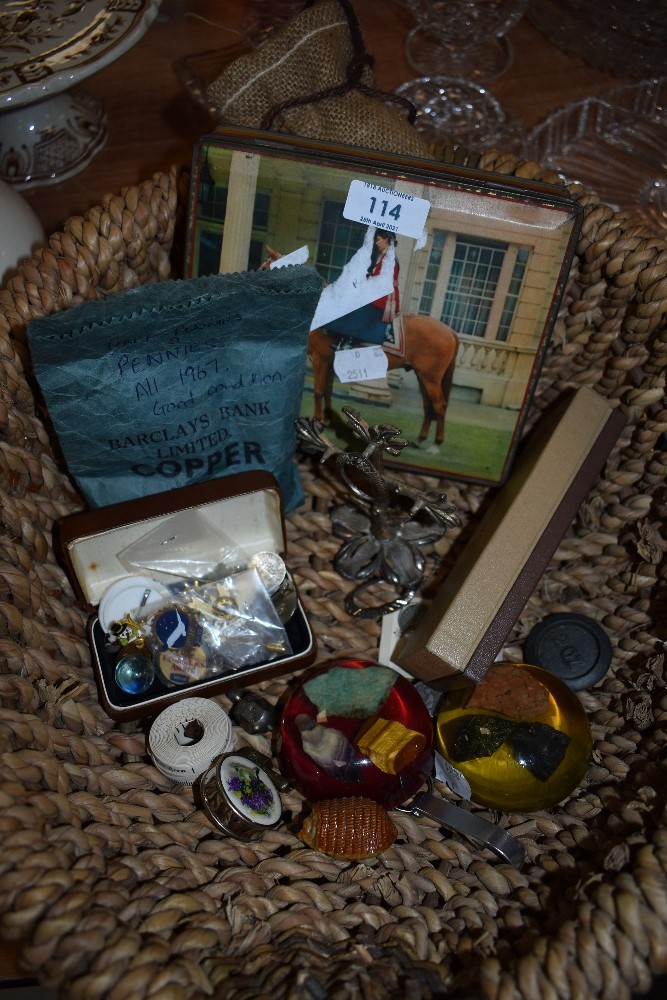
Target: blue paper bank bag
{"points": [[179, 382]]}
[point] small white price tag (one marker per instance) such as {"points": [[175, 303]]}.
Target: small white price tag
{"points": [[360, 364], [299, 256], [394, 211], [452, 777]]}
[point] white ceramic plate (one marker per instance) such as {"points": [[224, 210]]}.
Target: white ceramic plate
{"points": [[48, 45]]}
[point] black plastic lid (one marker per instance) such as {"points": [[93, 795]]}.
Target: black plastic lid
{"points": [[573, 647]]}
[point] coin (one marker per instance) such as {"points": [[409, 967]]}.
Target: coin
{"points": [[271, 569]]}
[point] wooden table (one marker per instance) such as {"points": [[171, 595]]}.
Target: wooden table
{"points": [[153, 122]]}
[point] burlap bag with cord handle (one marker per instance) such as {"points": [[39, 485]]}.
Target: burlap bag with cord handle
{"points": [[114, 885], [314, 78]]}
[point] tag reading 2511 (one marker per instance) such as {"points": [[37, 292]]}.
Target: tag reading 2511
{"points": [[395, 211]]}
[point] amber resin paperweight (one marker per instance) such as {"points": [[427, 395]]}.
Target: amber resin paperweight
{"points": [[520, 737]]}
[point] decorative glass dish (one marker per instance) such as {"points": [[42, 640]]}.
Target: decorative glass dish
{"points": [[615, 144], [622, 36], [462, 113]]}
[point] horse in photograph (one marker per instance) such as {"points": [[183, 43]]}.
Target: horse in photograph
{"points": [[429, 348]]}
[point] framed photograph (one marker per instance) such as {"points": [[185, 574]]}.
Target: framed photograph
{"points": [[441, 284]]}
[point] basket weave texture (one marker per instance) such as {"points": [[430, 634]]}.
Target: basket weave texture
{"points": [[114, 880]]}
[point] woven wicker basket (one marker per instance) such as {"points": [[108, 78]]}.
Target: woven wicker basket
{"points": [[113, 879]]}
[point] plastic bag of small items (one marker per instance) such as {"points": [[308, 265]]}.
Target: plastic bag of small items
{"points": [[188, 545], [213, 629]]}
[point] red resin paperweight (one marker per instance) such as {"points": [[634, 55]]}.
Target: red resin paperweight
{"points": [[356, 729]]}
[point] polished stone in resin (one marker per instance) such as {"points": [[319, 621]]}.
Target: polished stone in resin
{"points": [[480, 736], [539, 747], [338, 692], [355, 729], [521, 737]]}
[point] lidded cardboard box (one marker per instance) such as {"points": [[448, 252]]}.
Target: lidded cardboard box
{"points": [[249, 509], [474, 610]]}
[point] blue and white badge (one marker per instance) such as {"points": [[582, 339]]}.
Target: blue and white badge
{"points": [[394, 211], [172, 627]]}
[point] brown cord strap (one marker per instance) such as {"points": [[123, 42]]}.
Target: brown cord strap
{"points": [[359, 61]]}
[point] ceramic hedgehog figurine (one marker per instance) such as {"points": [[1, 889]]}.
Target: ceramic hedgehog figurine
{"points": [[351, 828]]}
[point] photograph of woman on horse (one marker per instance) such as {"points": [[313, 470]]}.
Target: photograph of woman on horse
{"points": [[368, 324], [473, 299]]}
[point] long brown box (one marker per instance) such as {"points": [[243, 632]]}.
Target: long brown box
{"points": [[480, 600]]}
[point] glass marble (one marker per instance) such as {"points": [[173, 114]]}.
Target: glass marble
{"points": [[134, 673], [520, 737], [356, 729]]}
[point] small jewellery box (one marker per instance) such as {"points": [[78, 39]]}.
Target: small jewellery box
{"points": [[248, 510], [240, 797]]}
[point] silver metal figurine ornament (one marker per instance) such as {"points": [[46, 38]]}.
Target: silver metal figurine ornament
{"points": [[387, 523]]}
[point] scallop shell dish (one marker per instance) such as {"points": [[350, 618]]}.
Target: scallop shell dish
{"points": [[349, 828]]}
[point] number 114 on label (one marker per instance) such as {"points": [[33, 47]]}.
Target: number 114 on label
{"points": [[385, 208]]}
